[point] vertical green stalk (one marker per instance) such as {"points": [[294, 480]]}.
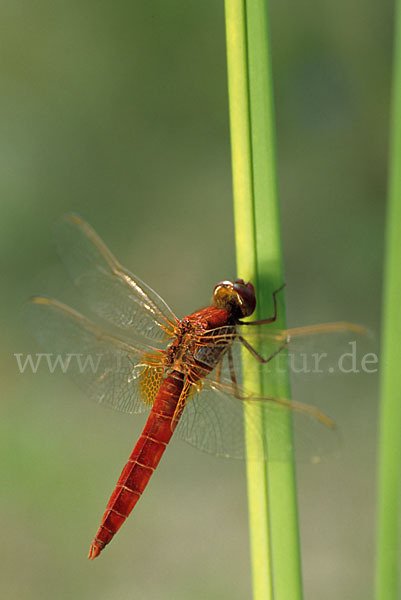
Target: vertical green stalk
{"points": [[273, 515], [389, 489]]}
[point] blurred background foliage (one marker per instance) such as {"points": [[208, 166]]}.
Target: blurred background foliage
{"points": [[118, 111]]}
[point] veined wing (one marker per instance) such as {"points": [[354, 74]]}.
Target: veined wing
{"points": [[218, 413], [214, 420], [109, 370], [310, 351], [110, 290]]}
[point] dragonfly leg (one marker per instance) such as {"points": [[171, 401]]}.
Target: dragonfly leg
{"points": [[256, 354], [270, 319]]}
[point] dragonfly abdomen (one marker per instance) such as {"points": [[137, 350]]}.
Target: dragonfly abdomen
{"points": [[142, 462]]}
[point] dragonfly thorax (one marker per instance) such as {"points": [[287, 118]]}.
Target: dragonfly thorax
{"points": [[197, 349]]}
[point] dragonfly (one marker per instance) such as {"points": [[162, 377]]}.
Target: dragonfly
{"points": [[186, 372]]}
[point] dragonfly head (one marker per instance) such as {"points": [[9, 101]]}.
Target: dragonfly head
{"points": [[237, 297]]}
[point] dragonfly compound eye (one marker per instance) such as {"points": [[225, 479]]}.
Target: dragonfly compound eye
{"points": [[238, 297], [246, 293]]}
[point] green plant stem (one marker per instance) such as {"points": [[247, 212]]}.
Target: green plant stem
{"points": [[274, 537], [389, 489]]}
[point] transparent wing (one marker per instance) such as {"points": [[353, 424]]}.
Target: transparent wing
{"points": [[216, 417], [215, 421], [110, 290], [109, 370], [311, 352]]}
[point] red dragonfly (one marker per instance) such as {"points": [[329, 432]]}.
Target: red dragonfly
{"points": [[150, 359]]}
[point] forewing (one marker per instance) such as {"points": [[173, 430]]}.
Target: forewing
{"points": [[110, 290], [310, 353], [216, 418], [109, 370]]}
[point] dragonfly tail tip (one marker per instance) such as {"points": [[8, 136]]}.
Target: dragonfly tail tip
{"points": [[94, 551]]}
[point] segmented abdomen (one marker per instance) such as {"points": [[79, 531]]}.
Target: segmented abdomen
{"points": [[143, 461]]}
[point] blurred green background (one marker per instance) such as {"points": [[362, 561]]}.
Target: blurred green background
{"points": [[119, 112]]}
